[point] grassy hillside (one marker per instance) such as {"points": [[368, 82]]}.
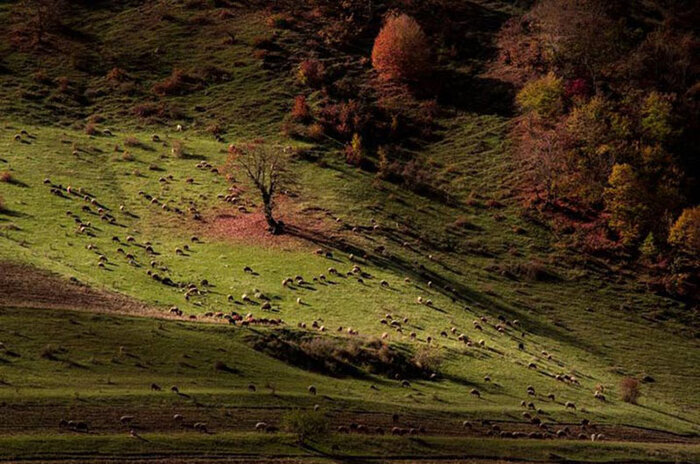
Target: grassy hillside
{"points": [[474, 256]]}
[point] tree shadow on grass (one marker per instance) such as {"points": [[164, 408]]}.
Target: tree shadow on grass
{"points": [[456, 290]]}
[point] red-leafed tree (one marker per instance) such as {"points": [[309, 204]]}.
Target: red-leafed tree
{"points": [[401, 50]]}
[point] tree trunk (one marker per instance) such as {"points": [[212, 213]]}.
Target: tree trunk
{"points": [[275, 227]]}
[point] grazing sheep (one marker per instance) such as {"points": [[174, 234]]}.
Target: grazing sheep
{"points": [[201, 427], [532, 365], [312, 389], [466, 424], [570, 405], [248, 269], [551, 396], [406, 384], [475, 392], [126, 419], [155, 387], [384, 283], [599, 396], [487, 379], [174, 389]]}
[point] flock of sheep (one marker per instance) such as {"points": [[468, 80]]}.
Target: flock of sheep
{"points": [[156, 270]]}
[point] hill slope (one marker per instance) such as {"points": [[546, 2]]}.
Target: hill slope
{"points": [[475, 257]]}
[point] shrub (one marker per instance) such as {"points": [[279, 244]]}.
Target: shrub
{"points": [[685, 232], [116, 75], [629, 390], [6, 176], [132, 141], [428, 358], [401, 50], [63, 84], [42, 77], [355, 152], [648, 248], [178, 83], [279, 20], [51, 352], [90, 128], [300, 110], [542, 96], [315, 131], [177, 149], [305, 424], [310, 72]]}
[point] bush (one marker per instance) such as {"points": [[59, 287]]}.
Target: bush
{"points": [[279, 21], [311, 73], [6, 176], [178, 149], [116, 75], [629, 390], [300, 110], [51, 352], [428, 358], [90, 128], [355, 152], [401, 50], [315, 131], [305, 424], [685, 232], [133, 142], [178, 83], [542, 96]]}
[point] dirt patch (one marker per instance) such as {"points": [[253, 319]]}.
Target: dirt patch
{"points": [[24, 286], [251, 228]]}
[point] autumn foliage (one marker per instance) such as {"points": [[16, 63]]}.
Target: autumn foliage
{"points": [[401, 50], [608, 128]]}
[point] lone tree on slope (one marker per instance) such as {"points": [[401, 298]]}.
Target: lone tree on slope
{"points": [[265, 167]]}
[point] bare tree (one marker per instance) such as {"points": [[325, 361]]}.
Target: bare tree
{"points": [[265, 167]]}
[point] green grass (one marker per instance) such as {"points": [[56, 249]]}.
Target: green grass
{"points": [[278, 446], [597, 346]]}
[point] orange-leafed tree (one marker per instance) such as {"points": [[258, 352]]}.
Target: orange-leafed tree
{"points": [[401, 50], [624, 200], [685, 233]]}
